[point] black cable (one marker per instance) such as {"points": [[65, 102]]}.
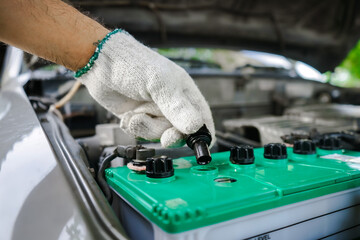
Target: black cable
{"points": [[101, 176], [126, 152]]}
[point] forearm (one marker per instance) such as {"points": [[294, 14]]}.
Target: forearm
{"points": [[50, 29]]}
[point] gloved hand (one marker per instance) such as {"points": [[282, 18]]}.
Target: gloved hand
{"points": [[153, 97]]}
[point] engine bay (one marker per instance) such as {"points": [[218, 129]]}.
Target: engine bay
{"points": [[280, 78], [280, 142]]}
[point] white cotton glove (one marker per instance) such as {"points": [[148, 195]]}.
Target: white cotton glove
{"points": [[153, 97]]}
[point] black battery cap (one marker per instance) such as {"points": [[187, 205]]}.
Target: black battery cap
{"points": [[242, 155], [329, 143], [275, 151], [159, 167], [304, 147]]}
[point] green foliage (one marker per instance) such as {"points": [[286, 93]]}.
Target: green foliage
{"points": [[347, 74], [352, 62]]}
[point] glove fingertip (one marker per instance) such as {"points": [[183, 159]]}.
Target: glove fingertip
{"points": [[172, 138], [144, 126]]}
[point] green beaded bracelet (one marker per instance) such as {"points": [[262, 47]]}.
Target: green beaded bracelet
{"points": [[91, 62]]}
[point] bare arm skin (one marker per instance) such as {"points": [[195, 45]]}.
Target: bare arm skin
{"points": [[50, 29]]}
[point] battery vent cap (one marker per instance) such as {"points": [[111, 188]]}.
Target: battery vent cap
{"points": [[159, 167], [242, 155], [275, 151], [329, 143], [304, 147]]}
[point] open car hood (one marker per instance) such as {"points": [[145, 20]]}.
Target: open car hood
{"points": [[320, 33]]}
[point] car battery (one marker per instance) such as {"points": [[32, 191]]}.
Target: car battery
{"points": [[275, 192]]}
